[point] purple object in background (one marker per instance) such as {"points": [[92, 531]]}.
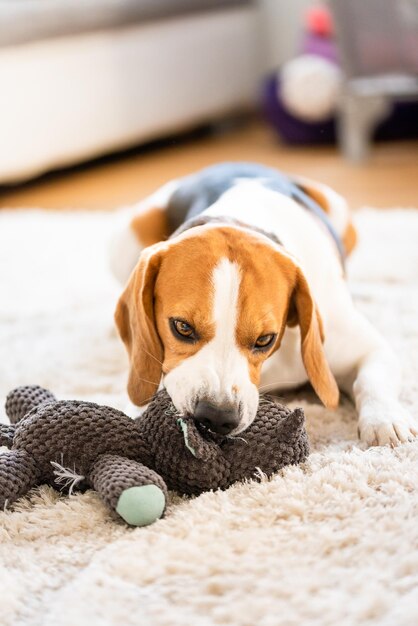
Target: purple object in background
{"points": [[320, 46], [402, 123], [291, 129], [318, 40]]}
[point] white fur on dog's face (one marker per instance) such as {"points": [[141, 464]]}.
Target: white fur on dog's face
{"points": [[233, 289], [219, 370]]}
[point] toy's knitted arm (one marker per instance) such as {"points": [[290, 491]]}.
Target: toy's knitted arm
{"points": [[22, 399], [18, 473], [7, 432], [135, 492], [18, 403]]}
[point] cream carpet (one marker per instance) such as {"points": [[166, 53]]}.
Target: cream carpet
{"points": [[332, 542]]}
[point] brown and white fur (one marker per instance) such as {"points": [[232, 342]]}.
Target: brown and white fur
{"points": [[233, 283]]}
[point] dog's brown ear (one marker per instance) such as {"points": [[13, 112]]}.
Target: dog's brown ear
{"points": [[303, 311], [135, 320]]}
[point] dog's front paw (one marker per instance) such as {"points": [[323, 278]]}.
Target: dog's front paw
{"points": [[385, 428]]}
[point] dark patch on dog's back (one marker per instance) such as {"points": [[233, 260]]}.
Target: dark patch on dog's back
{"points": [[199, 191]]}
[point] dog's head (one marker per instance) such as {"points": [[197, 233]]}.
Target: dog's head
{"points": [[205, 310]]}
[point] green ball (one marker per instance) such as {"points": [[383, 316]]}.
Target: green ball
{"points": [[140, 506]]}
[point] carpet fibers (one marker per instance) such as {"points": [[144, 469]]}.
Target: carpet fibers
{"points": [[334, 541]]}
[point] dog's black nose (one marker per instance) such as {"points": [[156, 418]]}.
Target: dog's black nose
{"points": [[220, 419]]}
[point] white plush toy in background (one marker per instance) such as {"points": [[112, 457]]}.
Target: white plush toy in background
{"points": [[310, 87]]}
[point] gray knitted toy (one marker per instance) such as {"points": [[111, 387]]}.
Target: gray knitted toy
{"points": [[132, 463]]}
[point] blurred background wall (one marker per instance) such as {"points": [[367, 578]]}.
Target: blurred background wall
{"points": [[282, 21], [80, 79]]}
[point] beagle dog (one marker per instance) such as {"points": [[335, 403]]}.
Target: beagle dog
{"points": [[234, 283]]}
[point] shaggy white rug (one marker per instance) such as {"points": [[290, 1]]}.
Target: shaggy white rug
{"points": [[332, 542]]}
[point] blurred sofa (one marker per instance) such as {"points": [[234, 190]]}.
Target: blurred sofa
{"points": [[81, 78]]}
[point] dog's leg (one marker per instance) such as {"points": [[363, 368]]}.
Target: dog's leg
{"points": [[375, 385], [382, 419]]}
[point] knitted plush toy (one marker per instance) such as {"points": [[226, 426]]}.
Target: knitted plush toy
{"points": [[132, 463]]}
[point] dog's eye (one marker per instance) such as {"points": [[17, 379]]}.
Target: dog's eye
{"points": [[182, 329], [264, 341]]}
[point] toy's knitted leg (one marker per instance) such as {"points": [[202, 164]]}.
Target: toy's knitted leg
{"points": [[7, 432], [135, 492], [22, 399], [18, 473]]}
